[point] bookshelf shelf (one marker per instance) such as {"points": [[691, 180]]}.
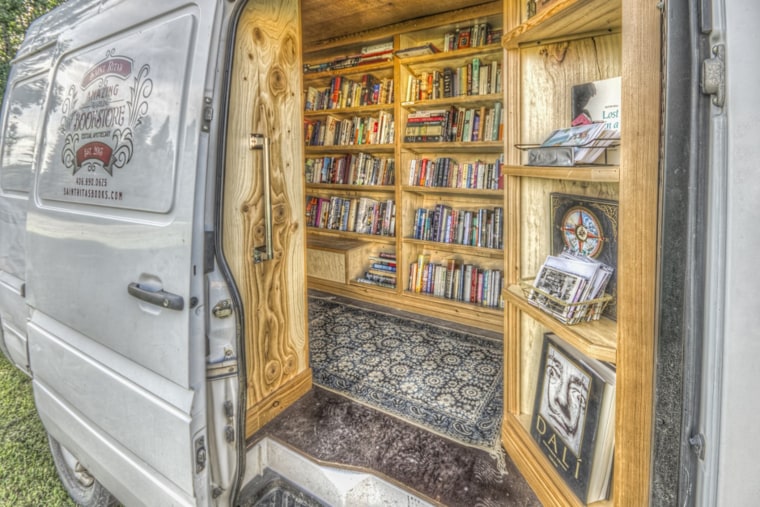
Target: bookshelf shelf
{"points": [[367, 238], [344, 112], [565, 20], [464, 100], [489, 253], [462, 192], [350, 148], [456, 147], [457, 56], [455, 306], [354, 71], [596, 339], [597, 174], [350, 190]]}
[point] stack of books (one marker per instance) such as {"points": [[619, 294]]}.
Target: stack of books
{"points": [[571, 287], [381, 270], [376, 53]]}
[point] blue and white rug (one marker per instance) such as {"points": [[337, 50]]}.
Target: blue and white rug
{"points": [[444, 380]]}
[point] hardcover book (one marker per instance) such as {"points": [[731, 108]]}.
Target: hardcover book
{"points": [[573, 417]]}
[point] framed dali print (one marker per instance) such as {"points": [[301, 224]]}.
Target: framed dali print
{"points": [[587, 226]]}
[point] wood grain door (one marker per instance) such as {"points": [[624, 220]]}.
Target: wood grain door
{"points": [[265, 100]]}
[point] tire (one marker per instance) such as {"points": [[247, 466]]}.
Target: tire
{"points": [[83, 488]]}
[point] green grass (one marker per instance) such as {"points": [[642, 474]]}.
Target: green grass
{"points": [[26, 466]]}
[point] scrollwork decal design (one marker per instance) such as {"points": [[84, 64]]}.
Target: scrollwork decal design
{"points": [[122, 154], [139, 93], [68, 154]]}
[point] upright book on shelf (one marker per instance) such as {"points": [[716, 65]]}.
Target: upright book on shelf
{"points": [[599, 102], [573, 417]]}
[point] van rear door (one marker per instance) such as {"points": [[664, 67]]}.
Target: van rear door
{"points": [[114, 237]]}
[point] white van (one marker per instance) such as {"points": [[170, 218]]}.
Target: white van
{"points": [[116, 295], [151, 192]]}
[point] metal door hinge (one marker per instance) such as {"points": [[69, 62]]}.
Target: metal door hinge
{"points": [[697, 444], [200, 455], [208, 114], [714, 75]]}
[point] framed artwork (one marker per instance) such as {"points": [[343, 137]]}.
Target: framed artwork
{"points": [[587, 226]]}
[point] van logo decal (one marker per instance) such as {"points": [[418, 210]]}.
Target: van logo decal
{"points": [[94, 151], [118, 66], [100, 132]]}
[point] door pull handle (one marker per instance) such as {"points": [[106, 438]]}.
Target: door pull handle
{"points": [[156, 297], [264, 252]]}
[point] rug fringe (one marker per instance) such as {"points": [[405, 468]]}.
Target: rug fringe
{"points": [[499, 455]]}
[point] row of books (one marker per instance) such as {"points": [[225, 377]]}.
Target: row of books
{"points": [[345, 92], [380, 271], [483, 228], [362, 215], [455, 124], [451, 279], [476, 35], [448, 173], [565, 282], [475, 77], [351, 169], [376, 53], [359, 130]]}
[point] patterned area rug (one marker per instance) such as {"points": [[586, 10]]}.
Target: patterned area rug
{"points": [[444, 380]]}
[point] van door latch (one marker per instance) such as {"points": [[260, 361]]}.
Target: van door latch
{"points": [[714, 75], [222, 309]]}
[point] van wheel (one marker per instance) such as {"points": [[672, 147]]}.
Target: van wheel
{"points": [[83, 488]]}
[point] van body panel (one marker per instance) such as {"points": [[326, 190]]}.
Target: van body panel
{"points": [[115, 249], [116, 465], [22, 113], [65, 364]]}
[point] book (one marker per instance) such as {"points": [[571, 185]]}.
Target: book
{"points": [[573, 417], [598, 102], [424, 49]]}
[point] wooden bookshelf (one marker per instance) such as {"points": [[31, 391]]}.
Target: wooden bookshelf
{"points": [[407, 198], [570, 42]]}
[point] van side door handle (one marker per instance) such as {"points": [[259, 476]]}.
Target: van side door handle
{"points": [[156, 297]]}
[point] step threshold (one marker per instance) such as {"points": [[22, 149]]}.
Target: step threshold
{"points": [[330, 486]]}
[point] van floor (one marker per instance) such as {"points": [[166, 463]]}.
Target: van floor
{"points": [[334, 430]]}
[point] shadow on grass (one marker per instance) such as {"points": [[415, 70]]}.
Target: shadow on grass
{"points": [[26, 466]]}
